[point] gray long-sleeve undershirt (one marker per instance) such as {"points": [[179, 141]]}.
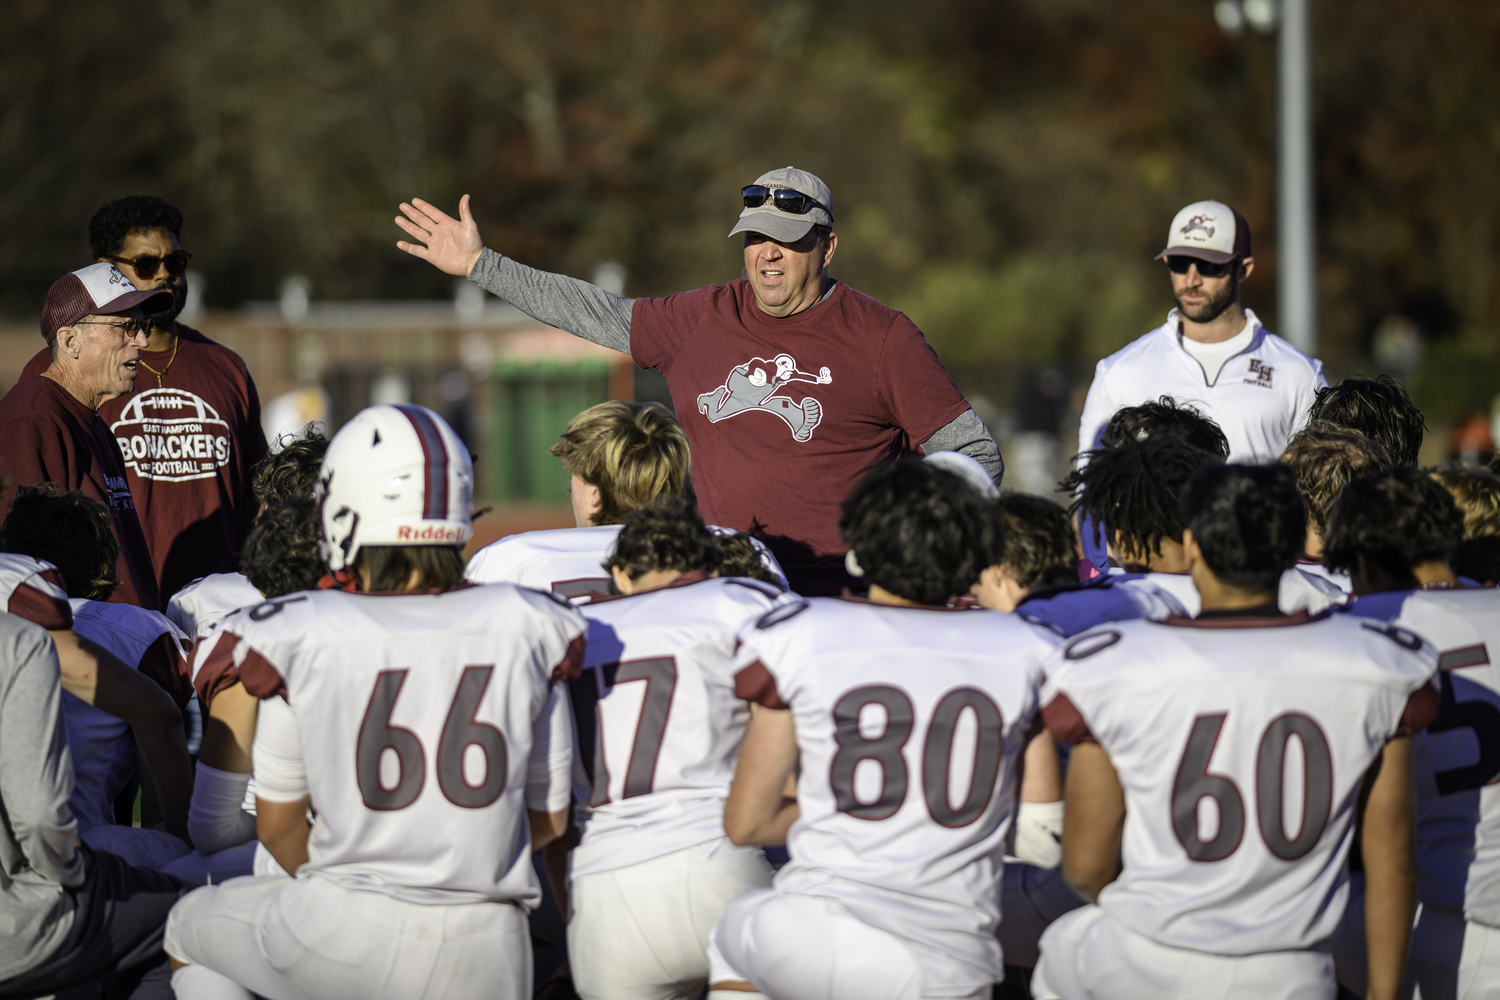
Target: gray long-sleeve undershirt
{"points": [[603, 318]]}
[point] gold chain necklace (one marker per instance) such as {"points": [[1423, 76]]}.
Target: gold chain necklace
{"points": [[176, 342]]}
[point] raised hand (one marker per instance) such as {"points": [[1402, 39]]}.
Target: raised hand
{"points": [[448, 244]]}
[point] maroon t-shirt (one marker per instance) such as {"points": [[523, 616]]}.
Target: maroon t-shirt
{"points": [[785, 415], [189, 448], [47, 436]]}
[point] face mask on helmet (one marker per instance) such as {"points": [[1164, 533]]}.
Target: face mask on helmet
{"points": [[394, 475]]}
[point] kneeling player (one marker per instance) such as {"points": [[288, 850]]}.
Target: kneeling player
{"points": [[1390, 532], [659, 719], [1234, 842], [907, 721], [428, 737]]}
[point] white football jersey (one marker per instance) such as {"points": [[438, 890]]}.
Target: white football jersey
{"points": [[1241, 744], [421, 719], [103, 750], [1298, 591], [202, 604], [1111, 598], [1338, 578], [909, 725], [568, 562], [34, 590], [1458, 756], [663, 751]]}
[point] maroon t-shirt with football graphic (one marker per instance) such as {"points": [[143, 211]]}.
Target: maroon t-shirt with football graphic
{"points": [[48, 436], [785, 415], [189, 447]]}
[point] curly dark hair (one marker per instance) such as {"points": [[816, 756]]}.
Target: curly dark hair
{"points": [[666, 534], [1038, 541], [117, 219], [68, 529], [1165, 416], [1325, 458], [921, 532], [1248, 522], [1376, 407], [281, 555], [739, 556], [290, 471], [1135, 488], [1397, 520]]}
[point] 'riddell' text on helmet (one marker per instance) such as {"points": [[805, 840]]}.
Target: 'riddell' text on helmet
{"points": [[394, 475]]}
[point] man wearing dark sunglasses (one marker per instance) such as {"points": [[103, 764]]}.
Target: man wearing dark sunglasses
{"points": [[1211, 352], [790, 385], [190, 431]]}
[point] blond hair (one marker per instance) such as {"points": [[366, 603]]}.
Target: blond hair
{"points": [[1325, 458], [633, 452], [1477, 493]]}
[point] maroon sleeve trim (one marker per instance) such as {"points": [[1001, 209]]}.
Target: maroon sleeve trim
{"points": [[260, 678], [756, 684], [1066, 722], [163, 662], [40, 607], [571, 665], [1421, 708], [218, 671]]}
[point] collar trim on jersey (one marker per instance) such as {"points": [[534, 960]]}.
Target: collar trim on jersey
{"points": [[851, 598], [1267, 621]]}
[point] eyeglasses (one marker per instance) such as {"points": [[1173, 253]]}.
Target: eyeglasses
{"points": [[1179, 264], [787, 200], [146, 264], [129, 327]]}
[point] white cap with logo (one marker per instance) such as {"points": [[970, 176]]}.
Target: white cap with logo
{"points": [[1208, 230]]}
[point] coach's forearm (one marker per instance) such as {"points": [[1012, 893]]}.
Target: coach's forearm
{"points": [[578, 307], [966, 433]]}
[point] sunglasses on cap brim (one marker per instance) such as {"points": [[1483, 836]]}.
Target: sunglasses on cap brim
{"points": [[784, 199], [146, 264], [1179, 264]]}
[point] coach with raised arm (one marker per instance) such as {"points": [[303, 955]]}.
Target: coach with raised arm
{"points": [[790, 384]]}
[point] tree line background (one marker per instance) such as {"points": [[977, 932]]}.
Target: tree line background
{"points": [[1004, 170]]}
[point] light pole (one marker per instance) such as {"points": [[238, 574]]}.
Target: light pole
{"points": [[1297, 267]]}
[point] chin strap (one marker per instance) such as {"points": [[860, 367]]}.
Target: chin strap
{"points": [[342, 580]]}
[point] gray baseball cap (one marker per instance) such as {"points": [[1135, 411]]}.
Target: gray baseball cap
{"points": [[784, 227]]}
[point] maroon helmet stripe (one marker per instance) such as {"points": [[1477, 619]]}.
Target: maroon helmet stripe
{"points": [[435, 463]]}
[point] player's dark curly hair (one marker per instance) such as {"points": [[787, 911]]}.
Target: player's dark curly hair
{"points": [[290, 471], [1325, 458], [1038, 541], [1248, 522], [738, 556], [117, 219], [1377, 408], [921, 532], [1165, 416], [68, 529], [281, 554], [1135, 487], [1397, 520], [665, 535]]}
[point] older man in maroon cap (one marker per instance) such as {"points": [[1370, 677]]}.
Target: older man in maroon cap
{"points": [[50, 429]]}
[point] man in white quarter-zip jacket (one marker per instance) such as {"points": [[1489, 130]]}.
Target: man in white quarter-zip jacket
{"points": [[1210, 352]]}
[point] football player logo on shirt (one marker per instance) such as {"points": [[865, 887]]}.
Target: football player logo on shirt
{"points": [[757, 385]]}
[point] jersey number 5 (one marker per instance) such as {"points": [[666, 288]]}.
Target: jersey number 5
{"points": [[460, 731], [660, 675], [937, 752], [1194, 783]]}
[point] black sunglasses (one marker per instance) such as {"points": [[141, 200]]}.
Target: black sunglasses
{"points": [[1179, 264], [787, 200], [146, 264]]}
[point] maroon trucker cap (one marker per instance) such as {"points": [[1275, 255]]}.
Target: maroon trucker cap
{"points": [[97, 290]]}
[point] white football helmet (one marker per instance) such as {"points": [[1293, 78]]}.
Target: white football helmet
{"points": [[394, 475]]}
